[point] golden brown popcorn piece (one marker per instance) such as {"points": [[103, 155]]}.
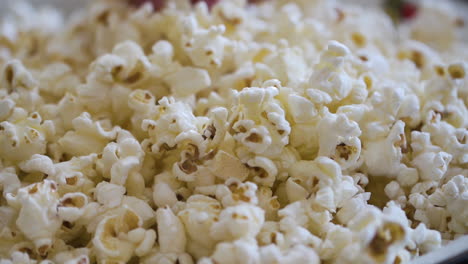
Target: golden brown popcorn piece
{"points": [[456, 71], [358, 39], [417, 58], [439, 70]]}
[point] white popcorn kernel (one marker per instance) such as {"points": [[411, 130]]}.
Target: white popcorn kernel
{"points": [[188, 80], [225, 166], [424, 27], [171, 234], [350, 208], [268, 134], [205, 47], [75, 171], [257, 139], [301, 254], [345, 190], [426, 239], [134, 59], [287, 64], [296, 234], [437, 198], [318, 97], [120, 162], [40, 163], [368, 218], [163, 52], [39, 203], [432, 166], [6, 108], [268, 170], [294, 212], [270, 254], [449, 138], [328, 170], [338, 138], [302, 170], [136, 235], [57, 78], [326, 198], [135, 184], [455, 193], [71, 206], [109, 194], [337, 239], [198, 216], [16, 76], [408, 176], [141, 208], [329, 76], [235, 192], [393, 190], [163, 195], [22, 137], [270, 234], [388, 162], [95, 134], [301, 109], [142, 101], [19, 257], [268, 202], [9, 181], [105, 67], [238, 221], [417, 200], [109, 241], [295, 191], [239, 251], [146, 244], [176, 121]]}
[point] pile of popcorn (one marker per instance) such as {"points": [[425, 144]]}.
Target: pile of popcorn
{"points": [[302, 131]]}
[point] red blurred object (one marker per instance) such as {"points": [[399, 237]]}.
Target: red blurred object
{"points": [[157, 4], [408, 10]]}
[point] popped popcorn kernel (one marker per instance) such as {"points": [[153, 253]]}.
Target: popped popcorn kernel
{"points": [[233, 131]]}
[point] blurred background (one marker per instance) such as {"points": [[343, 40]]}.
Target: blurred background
{"points": [[68, 5]]}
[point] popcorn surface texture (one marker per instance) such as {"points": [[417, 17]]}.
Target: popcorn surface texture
{"points": [[231, 131]]}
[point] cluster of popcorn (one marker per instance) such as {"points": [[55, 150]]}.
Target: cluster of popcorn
{"points": [[231, 131]]}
